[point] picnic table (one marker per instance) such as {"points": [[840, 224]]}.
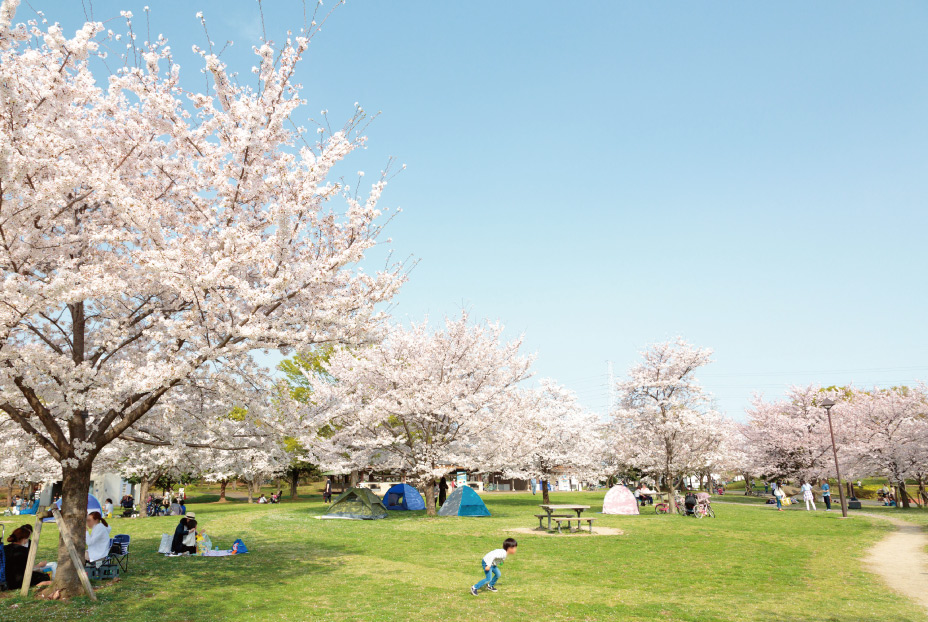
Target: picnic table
{"points": [[551, 509]]}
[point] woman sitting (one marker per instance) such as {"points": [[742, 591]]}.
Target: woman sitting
{"points": [[185, 531], [97, 538], [17, 552]]}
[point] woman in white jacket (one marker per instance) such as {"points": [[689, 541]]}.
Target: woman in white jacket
{"points": [[98, 537]]}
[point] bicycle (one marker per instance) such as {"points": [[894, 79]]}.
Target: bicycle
{"points": [[704, 509]]}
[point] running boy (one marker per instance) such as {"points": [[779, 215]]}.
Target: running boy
{"points": [[490, 565]]}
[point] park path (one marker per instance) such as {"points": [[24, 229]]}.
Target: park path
{"points": [[900, 559]]}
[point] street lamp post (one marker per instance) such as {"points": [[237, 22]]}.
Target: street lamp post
{"points": [[827, 404]]}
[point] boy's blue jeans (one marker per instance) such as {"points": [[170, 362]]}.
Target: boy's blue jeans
{"points": [[492, 576]]}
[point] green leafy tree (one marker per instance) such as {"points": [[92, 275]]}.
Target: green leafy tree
{"points": [[295, 370]]}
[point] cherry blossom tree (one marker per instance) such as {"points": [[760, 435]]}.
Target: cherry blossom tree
{"points": [[664, 425], [23, 462], [151, 237], [542, 430], [789, 437], [415, 404], [892, 434]]}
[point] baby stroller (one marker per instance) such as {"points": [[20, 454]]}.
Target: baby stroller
{"points": [[689, 505]]}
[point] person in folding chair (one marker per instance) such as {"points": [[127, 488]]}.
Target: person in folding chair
{"points": [[98, 538]]}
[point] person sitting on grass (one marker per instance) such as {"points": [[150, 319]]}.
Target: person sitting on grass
{"points": [[263, 499], [185, 527], [490, 565], [17, 552], [108, 508], [97, 538]]}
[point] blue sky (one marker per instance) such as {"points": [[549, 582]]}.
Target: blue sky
{"points": [[603, 175]]}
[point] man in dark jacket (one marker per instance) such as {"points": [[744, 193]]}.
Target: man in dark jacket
{"points": [[442, 491], [186, 525]]}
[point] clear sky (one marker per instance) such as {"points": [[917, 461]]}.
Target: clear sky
{"points": [[603, 175]]}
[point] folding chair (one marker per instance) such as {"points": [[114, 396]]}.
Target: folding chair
{"points": [[119, 552]]}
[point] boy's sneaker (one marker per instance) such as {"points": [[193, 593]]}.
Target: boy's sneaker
{"points": [[473, 590], [491, 588]]}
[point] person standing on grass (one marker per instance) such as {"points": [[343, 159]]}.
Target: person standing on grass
{"points": [[490, 565], [778, 494], [442, 491], [766, 487], [327, 493], [826, 495], [807, 496]]}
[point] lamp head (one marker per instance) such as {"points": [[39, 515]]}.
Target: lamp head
{"points": [[827, 403]]}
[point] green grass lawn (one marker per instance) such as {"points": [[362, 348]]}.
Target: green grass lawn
{"points": [[749, 563]]}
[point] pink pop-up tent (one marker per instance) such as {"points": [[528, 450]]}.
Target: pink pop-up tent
{"points": [[620, 500]]}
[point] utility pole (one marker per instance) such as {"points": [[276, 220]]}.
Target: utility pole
{"points": [[610, 378], [827, 404]]}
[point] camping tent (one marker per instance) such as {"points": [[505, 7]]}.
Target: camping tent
{"points": [[92, 506], [403, 497], [357, 503], [620, 500], [464, 502]]}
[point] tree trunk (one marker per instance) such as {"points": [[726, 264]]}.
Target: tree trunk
{"points": [[544, 492], [671, 485], [904, 495], [144, 486], [9, 495], [222, 489], [354, 478], [430, 497], [294, 482], [250, 496], [922, 493], [75, 487]]}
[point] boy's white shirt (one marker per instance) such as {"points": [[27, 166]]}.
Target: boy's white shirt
{"points": [[494, 558]]}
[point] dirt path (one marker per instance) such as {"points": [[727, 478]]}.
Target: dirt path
{"points": [[900, 559]]}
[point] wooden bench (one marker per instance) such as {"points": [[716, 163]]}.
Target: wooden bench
{"points": [[542, 517], [569, 519]]}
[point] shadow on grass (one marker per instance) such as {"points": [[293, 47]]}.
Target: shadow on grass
{"points": [[191, 587]]}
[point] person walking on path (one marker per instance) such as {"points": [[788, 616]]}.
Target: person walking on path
{"points": [[442, 491], [826, 496], [490, 565], [808, 497], [778, 494]]}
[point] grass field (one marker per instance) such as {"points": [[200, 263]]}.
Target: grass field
{"points": [[749, 563]]}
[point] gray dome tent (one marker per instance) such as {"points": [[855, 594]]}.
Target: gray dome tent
{"points": [[357, 504]]}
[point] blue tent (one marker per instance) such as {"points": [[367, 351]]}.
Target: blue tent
{"points": [[464, 502], [403, 497], [92, 506]]}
